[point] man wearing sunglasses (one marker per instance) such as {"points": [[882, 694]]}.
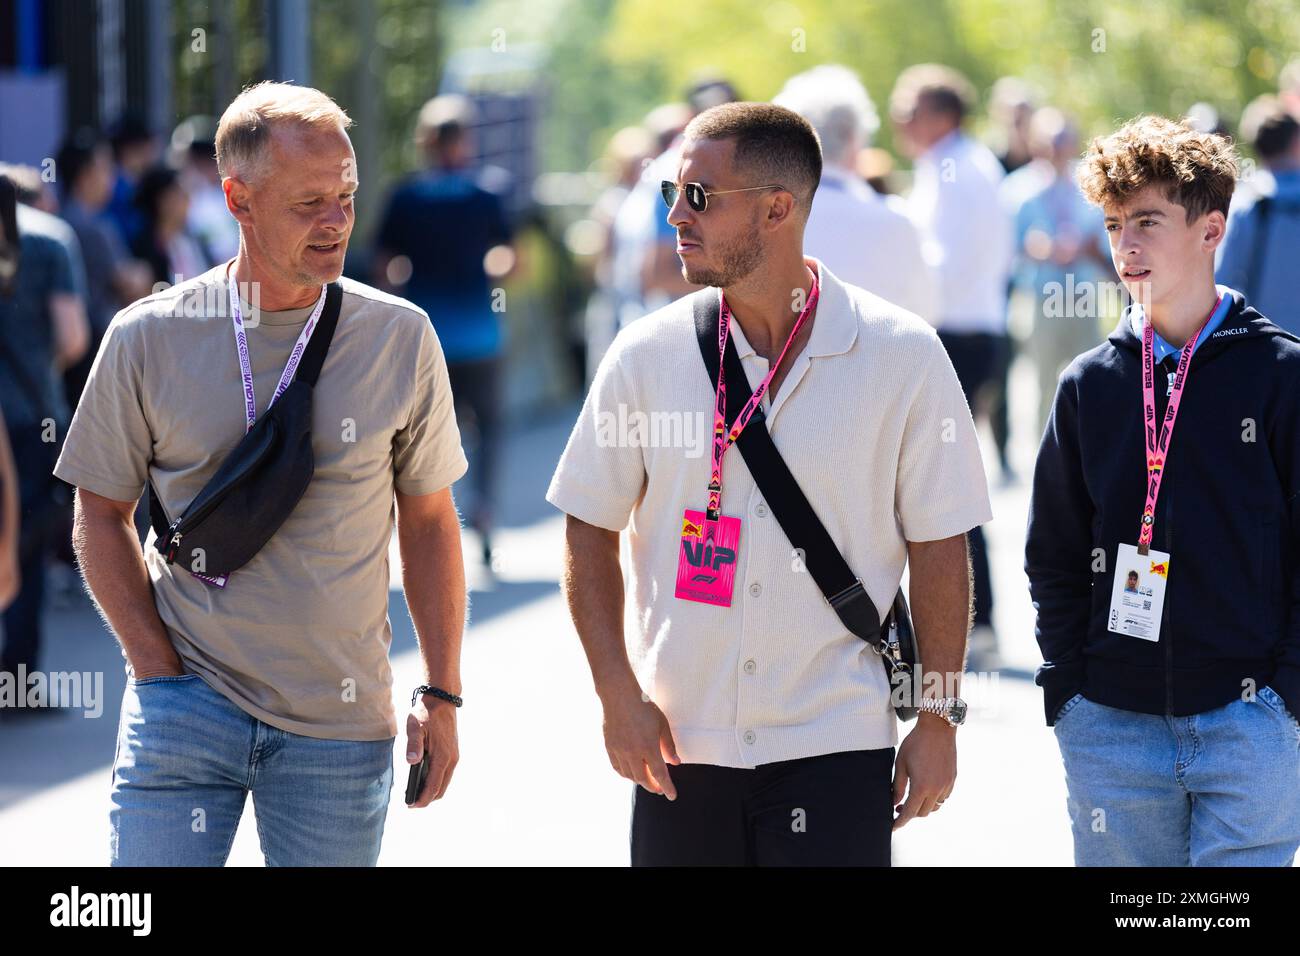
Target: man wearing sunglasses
{"points": [[776, 721]]}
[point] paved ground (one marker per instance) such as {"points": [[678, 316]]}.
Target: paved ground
{"points": [[534, 785]]}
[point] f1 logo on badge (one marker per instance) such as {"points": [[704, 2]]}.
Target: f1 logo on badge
{"points": [[700, 554]]}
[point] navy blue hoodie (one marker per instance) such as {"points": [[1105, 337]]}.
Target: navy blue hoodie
{"points": [[1228, 515]]}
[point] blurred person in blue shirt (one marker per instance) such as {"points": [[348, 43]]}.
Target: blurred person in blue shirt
{"points": [[441, 232], [646, 264], [136, 150], [113, 278], [43, 330], [10, 579], [1061, 256], [1258, 252], [640, 269]]}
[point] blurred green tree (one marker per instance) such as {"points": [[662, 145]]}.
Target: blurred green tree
{"points": [[1102, 60]]}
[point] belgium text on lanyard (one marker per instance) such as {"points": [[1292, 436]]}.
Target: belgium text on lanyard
{"points": [[1138, 593], [706, 558], [246, 376]]}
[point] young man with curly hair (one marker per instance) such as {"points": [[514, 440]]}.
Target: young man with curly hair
{"points": [[1173, 703]]}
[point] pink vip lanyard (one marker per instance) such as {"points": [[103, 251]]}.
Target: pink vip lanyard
{"points": [[1157, 447], [246, 371], [722, 439]]}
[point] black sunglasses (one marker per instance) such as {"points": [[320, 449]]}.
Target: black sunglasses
{"points": [[697, 197]]}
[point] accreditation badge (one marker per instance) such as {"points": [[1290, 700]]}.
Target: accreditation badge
{"points": [[1137, 599], [706, 569]]}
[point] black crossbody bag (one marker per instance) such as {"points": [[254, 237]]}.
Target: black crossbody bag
{"points": [[257, 486], [893, 639]]}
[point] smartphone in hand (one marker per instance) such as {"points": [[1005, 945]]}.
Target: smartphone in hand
{"points": [[415, 780]]}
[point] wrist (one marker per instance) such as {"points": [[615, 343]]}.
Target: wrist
{"points": [[156, 666], [145, 671], [934, 720], [615, 688], [947, 711], [451, 687], [431, 694]]}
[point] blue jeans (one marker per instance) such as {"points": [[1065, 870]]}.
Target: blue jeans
{"points": [[1219, 788], [187, 757]]}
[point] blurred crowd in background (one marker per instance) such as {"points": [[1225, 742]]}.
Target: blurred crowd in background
{"points": [[976, 225], [986, 237]]}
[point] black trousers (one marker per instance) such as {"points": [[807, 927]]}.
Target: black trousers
{"points": [[830, 810], [976, 358], [476, 388]]}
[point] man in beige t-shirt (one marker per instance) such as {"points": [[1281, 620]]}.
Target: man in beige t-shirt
{"points": [[277, 683]]}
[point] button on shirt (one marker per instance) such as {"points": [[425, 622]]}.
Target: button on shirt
{"points": [[872, 423]]}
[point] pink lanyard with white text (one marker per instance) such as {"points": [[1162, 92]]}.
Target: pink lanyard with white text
{"points": [[722, 439], [1157, 446]]}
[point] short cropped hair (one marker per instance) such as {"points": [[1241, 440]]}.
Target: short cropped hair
{"points": [[939, 87], [75, 156], [443, 120], [1269, 127], [774, 145], [245, 127], [1198, 171]]}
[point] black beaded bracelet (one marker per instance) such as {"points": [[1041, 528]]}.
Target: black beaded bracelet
{"points": [[436, 692]]}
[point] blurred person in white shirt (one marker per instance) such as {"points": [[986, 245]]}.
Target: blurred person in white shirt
{"points": [[865, 238], [628, 152], [966, 240], [965, 235], [1011, 106]]}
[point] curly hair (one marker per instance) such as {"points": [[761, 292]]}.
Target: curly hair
{"points": [[1196, 170]]}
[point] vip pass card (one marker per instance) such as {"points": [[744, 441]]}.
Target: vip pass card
{"points": [[1137, 599], [706, 567]]}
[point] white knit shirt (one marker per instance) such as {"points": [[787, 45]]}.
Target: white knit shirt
{"points": [[874, 427]]}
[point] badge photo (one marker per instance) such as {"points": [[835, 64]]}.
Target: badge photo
{"points": [[1137, 598]]}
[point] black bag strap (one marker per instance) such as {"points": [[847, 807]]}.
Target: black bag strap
{"points": [[157, 517], [841, 587], [313, 359]]}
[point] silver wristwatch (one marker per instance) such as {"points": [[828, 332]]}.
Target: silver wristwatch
{"points": [[951, 709]]}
